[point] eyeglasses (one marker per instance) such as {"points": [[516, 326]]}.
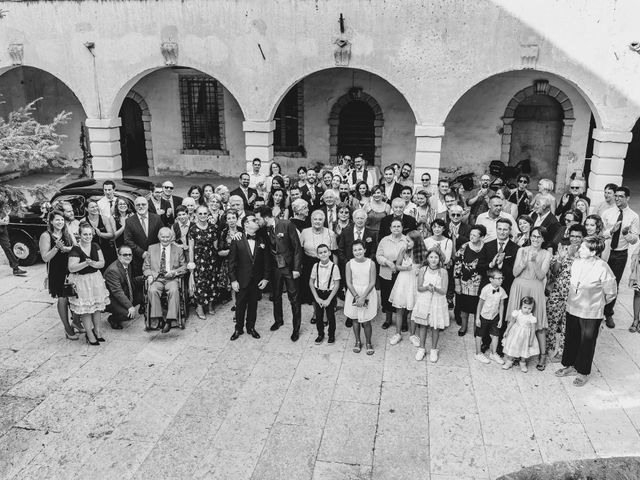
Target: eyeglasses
{"points": [[497, 278], [141, 205], [126, 254], [203, 213], [455, 214], [167, 187], [574, 188], [523, 181]]}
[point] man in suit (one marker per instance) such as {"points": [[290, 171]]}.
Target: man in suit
{"points": [[249, 272], [286, 257], [159, 205], [542, 217], [311, 191], [140, 231], [390, 187], [408, 222], [245, 192], [330, 209], [500, 254], [123, 288], [173, 200], [163, 267]]}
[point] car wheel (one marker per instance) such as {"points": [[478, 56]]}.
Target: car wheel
{"points": [[24, 248]]}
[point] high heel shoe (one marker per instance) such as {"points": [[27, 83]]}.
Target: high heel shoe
{"points": [[99, 339], [86, 337]]}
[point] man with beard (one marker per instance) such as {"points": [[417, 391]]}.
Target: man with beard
{"points": [[404, 178], [311, 192], [244, 191]]}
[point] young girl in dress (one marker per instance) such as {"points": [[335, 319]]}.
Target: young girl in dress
{"points": [[403, 294], [520, 337], [361, 300], [430, 309]]}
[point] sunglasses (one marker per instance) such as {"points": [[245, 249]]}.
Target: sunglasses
{"points": [[126, 254], [575, 188], [455, 214], [168, 188]]}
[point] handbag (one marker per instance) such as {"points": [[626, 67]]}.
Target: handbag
{"points": [[69, 289]]}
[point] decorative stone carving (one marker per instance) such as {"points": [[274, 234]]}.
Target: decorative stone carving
{"points": [[355, 93], [541, 87], [169, 52], [16, 52], [529, 55], [342, 52]]}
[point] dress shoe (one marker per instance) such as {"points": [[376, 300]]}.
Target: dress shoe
{"points": [[18, 272], [98, 338], [142, 309], [253, 333], [319, 339], [295, 336], [276, 326], [114, 325], [386, 325], [332, 339], [348, 323], [166, 327], [236, 335], [609, 322]]}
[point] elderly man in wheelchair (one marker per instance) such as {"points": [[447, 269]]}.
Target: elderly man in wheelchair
{"points": [[164, 267]]}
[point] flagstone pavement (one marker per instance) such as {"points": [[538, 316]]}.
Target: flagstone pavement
{"points": [[192, 404]]}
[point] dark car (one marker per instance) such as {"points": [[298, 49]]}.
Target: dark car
{"points": [[25, 228]]}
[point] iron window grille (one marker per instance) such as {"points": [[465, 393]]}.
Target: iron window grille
{"points": [[201, 110], [289, 133]]}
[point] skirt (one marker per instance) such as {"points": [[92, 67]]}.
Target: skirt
{"points": [[431, 310], [93, 295]]}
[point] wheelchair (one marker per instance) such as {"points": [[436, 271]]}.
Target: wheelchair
{"points": [[183, 308]]}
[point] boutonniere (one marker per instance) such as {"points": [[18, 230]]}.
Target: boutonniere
{"points": [[261, 246], [368, 240], [280, 235]]}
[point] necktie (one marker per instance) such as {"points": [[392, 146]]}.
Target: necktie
{"points": [[330, 219], [126, 274], [110, 205], [501, 247], [143, 220], [616, 236], [358, 234], [163, 261]]}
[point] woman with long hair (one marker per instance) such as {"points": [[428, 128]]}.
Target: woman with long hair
{"points": [[195, 192], [121, 213], [103, 230], [278, 203], [362, 193], [55, 244], [376, 209], [274, 170]]}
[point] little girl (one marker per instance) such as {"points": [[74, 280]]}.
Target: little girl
{"points": [[430, 309], [520, 337], [403, 294]]}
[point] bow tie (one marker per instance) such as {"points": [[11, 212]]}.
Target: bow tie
{"points": [[251, 237], [496, 290]]}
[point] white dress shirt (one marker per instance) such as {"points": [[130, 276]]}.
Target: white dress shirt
{"points": [[106, 206], [490, 224], [629, 219]]}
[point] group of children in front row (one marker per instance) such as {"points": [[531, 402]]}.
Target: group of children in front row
{"points": [[420, 288]]}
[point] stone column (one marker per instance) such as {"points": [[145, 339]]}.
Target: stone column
{"points": [[258, 138], [104, 140], [428, 147], [607, 163]]}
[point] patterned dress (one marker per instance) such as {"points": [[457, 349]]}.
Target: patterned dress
{"points": [[206, 260], [224, 285], [556, 306], [467, 278]]}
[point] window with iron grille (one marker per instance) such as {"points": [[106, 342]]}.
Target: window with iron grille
{"points": [[289, 133], [202, 113]]}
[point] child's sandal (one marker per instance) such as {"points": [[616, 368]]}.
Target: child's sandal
{"points": [[370, 350], [633, 328], [357, 347]]}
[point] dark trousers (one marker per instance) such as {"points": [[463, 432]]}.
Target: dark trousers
{"points": [[283, 276], [486, 338], [617, 262], [247, 303], [331, 317], [5, 243], [580, 337]]}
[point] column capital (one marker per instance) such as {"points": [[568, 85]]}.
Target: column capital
{"points": [[429, 130], [259, 126], [611, 136], [103, 122]]}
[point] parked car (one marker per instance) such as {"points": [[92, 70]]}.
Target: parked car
{"points": [[26, 227]]}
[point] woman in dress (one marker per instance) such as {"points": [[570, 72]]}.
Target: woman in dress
{"points": [[103, 232], [228, 233], [387, 253], [203, 245], [376, 209], [85, 262], [343, 168], [525, 224], [274, 169], [438, 240], [55, 244], [560, 271], [122, 212], [530, 270], [310, 238], [466, 276], [278, 203], [195, 192], [362, 194], [361, 300]]}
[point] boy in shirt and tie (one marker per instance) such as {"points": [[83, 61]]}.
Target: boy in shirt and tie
{"points": [[324, 283]]}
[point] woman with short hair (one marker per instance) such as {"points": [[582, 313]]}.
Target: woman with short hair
{"points": [[387, 253], [203, 246]]}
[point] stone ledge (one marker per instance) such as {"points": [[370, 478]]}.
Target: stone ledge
{"points": [[593, 469]]}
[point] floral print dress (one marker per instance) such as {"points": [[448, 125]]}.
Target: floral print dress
{"points": [[556, 306], [206, 259]]}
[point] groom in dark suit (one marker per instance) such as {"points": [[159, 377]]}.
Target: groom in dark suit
{"points": [[140, 231], [286, 256], [249, 272]]}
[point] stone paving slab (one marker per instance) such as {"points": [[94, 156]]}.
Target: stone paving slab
{"points": [[192, 404]]}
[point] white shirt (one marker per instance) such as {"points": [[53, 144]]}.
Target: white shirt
{"points": [[105, 205], [255, 179], [322, 272], [388, 189], [540, 219], [359, 176], [490, 224], [252, 245], [491, 305], [629, 219], [411, 209]]}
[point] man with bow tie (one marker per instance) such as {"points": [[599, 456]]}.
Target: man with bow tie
{"points": [[249, 273]]}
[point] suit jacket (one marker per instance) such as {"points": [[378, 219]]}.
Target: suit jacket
{"points": [[345, 244], [246, 268], [490, 250], [551, 224], [314, 203], [164, 205], [177, 201], [395, 192], [284, 243], [152, 262], [252, 193], [115, 277], [135, 237], [408, 223], [180, 239], [463, 236]]}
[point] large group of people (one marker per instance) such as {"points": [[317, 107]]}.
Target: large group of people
{"points": [[533, 275]]}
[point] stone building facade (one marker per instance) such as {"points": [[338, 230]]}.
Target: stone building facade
{"points": [[448, 86]]}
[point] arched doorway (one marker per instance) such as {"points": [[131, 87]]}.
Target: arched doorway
{"points": [[536, 134], [132, 139], [356, 131]]}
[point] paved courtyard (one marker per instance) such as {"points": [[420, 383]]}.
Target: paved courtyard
{"points": [[192, 404]]}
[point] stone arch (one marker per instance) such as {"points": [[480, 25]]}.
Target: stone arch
{"points": [[146, 121], [541, 87], [355, 94]]}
